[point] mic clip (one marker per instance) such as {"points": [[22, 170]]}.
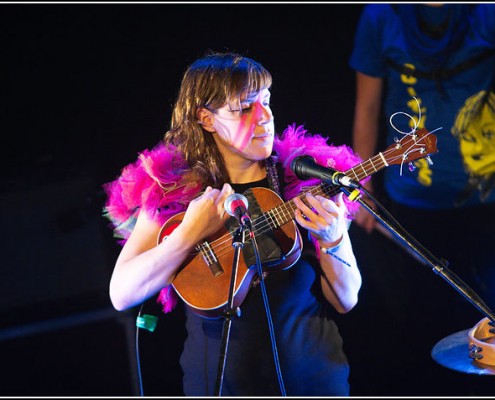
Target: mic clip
{"points": [[236, 205]]}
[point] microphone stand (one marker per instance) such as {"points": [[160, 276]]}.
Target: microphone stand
{"points": [[268, 312], [229, 313], [440, 267]]}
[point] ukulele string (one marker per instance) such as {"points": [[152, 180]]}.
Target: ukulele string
{"points": [[412, 132], [264, 223]]}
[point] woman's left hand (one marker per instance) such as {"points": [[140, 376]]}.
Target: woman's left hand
{"points": [[323, 218]]}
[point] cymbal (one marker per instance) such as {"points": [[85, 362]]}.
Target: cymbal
{"points": [[452, 352]]}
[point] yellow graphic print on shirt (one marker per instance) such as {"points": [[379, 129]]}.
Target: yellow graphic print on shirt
{"points": [[475, 128], [415, 105]]}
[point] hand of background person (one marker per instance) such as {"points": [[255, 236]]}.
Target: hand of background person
{"points": [[363, 218]]}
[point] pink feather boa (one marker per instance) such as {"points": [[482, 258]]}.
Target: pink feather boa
{"points": [[154, 184]]}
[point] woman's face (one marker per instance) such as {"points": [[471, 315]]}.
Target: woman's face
{"points": [[249, 133]]}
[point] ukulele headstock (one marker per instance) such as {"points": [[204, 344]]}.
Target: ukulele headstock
{"points": [[411, 147]]}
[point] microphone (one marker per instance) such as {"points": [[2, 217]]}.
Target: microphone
{"points": [[236, 205], [305, 167]]}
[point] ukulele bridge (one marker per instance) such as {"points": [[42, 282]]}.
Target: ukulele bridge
{"points": [[210, 259]]}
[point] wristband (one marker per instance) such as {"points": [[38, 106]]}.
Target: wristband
{"points": [[334, 248]]}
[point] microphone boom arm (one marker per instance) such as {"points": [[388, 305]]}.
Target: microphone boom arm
{"points": [[409, 243]]}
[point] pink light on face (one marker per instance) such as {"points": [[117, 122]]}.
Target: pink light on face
{"points": [[242, 137], [249, 130]]}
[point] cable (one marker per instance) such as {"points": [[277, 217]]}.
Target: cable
{"points": [[138, 361]]}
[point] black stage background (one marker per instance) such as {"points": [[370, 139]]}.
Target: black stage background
{"points": [[84, 88]]}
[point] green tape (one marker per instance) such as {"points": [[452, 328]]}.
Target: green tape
{"points": [[147, 322]]}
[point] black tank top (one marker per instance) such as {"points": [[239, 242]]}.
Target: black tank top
{"points": [[308, 342]]}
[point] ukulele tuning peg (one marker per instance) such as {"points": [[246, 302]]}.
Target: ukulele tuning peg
{"points": [[412, 167]]}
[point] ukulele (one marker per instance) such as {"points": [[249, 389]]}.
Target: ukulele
{"points": [[203, 279]]}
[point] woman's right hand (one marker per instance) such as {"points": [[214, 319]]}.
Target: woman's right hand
{"points": [[206, 214]]}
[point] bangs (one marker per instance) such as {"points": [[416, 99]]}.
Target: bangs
{"points": [[245, 77], [219, 79]]}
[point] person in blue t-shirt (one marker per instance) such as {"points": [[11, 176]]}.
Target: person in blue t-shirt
{"points": [[426, 66]]}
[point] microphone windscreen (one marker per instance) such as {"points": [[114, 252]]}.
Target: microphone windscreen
{"points": [[233, 201]]}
